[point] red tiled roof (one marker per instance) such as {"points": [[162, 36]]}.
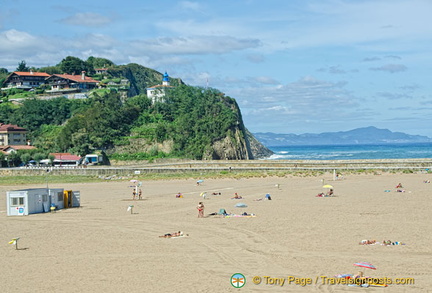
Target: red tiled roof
{"points": [[10, 127], [23, 73], [161, 85], [77, 78], [65, 156], [18, 147]]}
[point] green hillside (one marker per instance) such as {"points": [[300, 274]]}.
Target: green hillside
{"points": [[192, 122]]}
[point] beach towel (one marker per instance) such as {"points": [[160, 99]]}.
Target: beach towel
{"points": [[241, 205]]}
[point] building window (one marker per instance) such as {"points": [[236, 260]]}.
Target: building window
{"points": [[44, 197], [59, 196], [17, 201]]}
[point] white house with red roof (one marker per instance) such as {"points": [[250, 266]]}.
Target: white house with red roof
{"points": [[25, 80], [64, 82], [157, 93]]}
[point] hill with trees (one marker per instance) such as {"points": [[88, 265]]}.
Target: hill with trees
{"points": [[192, 122]]}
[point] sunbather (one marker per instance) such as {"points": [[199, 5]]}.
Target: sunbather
{"points": [[236, 196], [169, 235], [366, 242]]}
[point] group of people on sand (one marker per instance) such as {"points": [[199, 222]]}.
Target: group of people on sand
{"points": [[134, 194], [384, 242]]}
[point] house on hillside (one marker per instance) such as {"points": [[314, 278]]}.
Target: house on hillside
{"points": [[25, 80], [11, 134], [71, 82], [157, 93], [8, 149], [101, 70]]}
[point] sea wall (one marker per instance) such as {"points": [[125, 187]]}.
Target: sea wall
{"points": [[423, 165]]}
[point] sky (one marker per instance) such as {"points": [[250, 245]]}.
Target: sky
{"points": [[293, 66]]}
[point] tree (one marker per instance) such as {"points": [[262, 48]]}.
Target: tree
{"points": [[98, 62], [22, 66], [25, 157], [39, 157], [51, 70], [74, 65]]}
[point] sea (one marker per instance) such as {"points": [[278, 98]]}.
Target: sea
{"points": [[353, 152]]}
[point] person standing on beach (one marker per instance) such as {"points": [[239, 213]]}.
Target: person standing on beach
{"points": [[140, 194], [200, 209], [133, 194]]}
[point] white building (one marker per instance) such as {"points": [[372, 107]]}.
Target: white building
{"points": [[39, 200], [157, 93]]}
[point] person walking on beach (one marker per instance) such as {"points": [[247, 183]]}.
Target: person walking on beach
{"points": [[140, 194], [133, 194], [200, 209]]}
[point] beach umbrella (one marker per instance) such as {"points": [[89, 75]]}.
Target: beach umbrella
{"points": [[365, 265], [327, 186], [133, 181], [200, 181]]}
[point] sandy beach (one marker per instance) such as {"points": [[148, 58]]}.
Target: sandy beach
{"points": [[102, 247]]}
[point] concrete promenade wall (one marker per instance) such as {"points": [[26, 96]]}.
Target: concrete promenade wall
{"points": [[217, 166]]}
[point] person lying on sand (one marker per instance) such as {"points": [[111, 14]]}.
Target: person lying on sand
{"points": [[366, 242], [246, 214], [236, 196], [169, 235], [399, 185]]}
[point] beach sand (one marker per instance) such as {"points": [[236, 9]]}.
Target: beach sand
{"points": [[102, 247]]}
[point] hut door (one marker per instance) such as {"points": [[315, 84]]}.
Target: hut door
{"points": [[68, 199]]}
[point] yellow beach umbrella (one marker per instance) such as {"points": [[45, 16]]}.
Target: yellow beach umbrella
{"points": [[327, 186]]}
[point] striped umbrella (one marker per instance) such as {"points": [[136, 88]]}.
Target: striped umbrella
{"points": [[365, 265]]}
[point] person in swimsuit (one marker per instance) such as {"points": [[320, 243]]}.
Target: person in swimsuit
{"points": [[200, 209]]}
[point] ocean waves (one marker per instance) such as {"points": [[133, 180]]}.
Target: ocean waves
{"points": [[352, 152]]}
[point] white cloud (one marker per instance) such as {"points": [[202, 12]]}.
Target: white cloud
{"points": [[193, 45], [189, 5], [87, 19], [266, 80]]}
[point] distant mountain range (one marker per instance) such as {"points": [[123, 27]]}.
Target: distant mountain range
{"points": [[366, 135]]}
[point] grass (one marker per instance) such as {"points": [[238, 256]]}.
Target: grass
{"points": [[39, 179], [234, 174]]}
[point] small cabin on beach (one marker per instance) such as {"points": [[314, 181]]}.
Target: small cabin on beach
{"points": [[40, 200]]}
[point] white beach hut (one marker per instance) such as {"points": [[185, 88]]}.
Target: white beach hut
{"points": [[39, 200]]}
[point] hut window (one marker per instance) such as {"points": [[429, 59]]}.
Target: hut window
{"points": [[17, 201], [44, 197], [59, 196]]}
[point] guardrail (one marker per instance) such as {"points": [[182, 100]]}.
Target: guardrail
{"points": [[230, 166]]}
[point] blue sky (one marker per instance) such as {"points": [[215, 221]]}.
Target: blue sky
{"points": [[294, 66]]}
